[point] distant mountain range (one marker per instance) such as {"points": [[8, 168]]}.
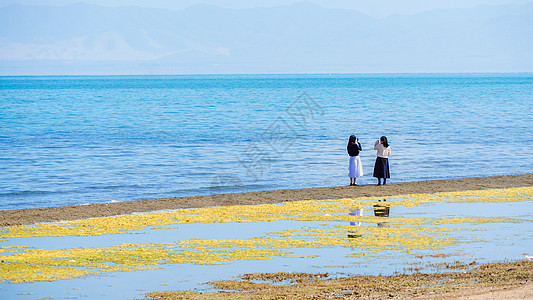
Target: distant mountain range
{"points": [[303, 37]]}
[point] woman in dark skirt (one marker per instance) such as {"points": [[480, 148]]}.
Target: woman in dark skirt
{"points": [[381, 168]]}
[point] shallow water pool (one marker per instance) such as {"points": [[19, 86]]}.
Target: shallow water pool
{"points": [[125, 257]]}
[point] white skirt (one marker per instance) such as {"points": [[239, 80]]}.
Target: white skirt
{"points": [[355, 168]]}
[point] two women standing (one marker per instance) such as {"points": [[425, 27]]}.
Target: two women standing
{"points": [[381, 167]]}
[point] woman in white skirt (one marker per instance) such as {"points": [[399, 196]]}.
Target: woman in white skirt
{"points": [[355, 168]]}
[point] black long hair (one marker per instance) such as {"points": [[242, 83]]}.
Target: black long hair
{"points": [[384, 141], [351, 140]]}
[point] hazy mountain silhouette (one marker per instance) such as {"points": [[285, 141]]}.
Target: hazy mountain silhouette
{"points": [[303, 37]]}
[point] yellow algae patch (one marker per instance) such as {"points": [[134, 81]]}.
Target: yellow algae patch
{"points": [[19, 273], [69, 229], [48, 265], [437, 221], [399, 234], [165, 227], [9, 249], [309, 210], [493, 195]]}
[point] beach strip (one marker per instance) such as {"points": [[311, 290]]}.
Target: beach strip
{"points": [[502, 280], [65, 213]]}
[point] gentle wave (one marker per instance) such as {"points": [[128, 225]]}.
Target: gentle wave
{"points": [[28, 193], [94, 139]]}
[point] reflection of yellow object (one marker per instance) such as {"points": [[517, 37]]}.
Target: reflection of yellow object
{"points": [[406, 234]]}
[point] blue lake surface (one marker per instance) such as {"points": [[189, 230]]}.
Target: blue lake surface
{"points": [[94, 139]]}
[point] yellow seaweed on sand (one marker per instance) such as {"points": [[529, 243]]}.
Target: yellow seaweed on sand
{"points": [[309, 210], [404, 234]]}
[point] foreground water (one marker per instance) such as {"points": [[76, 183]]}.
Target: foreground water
{"points": [[80, 140], [126, 256]]}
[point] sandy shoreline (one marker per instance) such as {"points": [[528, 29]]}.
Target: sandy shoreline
{"points": [[509, 280], [51, 214]]}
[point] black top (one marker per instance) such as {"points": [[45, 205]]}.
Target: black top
{"points": [[354, 148]]}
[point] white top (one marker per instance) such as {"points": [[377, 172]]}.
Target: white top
{"points": [[382, 151]]}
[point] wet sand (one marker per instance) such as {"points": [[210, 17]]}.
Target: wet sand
{"points": [[51, 214], [510, 280]]}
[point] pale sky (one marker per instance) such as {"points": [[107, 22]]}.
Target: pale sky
{"points": [[376, 8]]}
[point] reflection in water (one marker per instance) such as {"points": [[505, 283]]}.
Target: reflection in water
{"points": [[382, 210], [355, 212]]}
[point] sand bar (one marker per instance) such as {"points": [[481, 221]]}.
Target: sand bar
{"points": [[51, 214]]}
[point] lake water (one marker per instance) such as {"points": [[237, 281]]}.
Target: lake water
{"points": [[95, 139]]}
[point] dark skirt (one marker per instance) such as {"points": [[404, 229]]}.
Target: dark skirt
{"points": [[381, 168]]}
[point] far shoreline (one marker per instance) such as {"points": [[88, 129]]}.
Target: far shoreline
{"points": [[65, 213]]}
